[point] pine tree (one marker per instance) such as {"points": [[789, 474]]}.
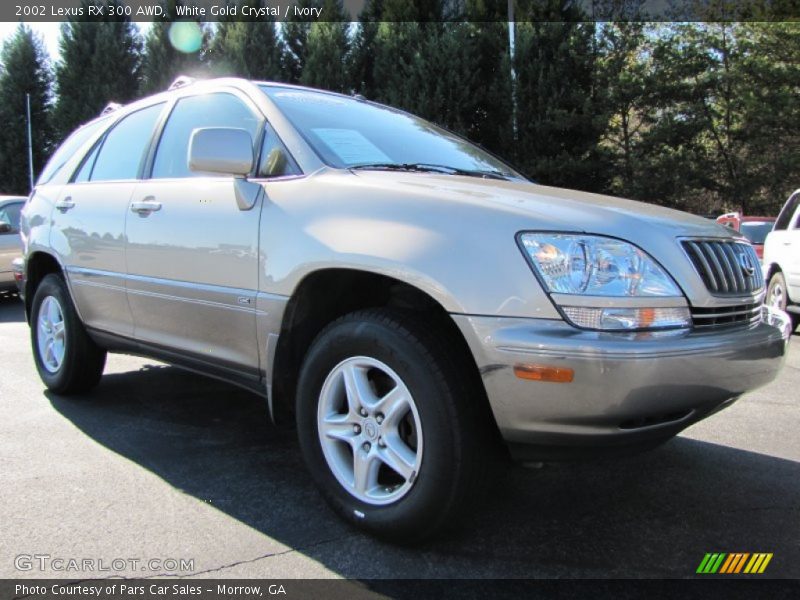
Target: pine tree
{"points": [[295, 35], [25, 70], [327, 50], [456, 74], [173, 48], [559, 121], [250, 49], [484, 92], [100, 63], [361, 59]]}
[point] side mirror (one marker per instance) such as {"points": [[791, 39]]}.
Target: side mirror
{"points": [[5, 228], [221, 150]]}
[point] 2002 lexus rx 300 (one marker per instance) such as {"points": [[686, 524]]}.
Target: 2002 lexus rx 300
{"points": [[412, 300]]}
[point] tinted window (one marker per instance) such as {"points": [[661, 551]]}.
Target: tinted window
{"points": [[275, 158], [125, 145], [195, 112], [10, 214], [72, 144], [346, 132], [787, 213], [756, 231], [86, 168]]}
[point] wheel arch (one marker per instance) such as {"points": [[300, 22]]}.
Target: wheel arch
{"points": [[325, 295], [771, 270], [37, 266]]}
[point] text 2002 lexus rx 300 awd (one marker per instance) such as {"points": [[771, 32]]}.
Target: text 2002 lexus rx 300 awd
{"points": [[412, 301]]}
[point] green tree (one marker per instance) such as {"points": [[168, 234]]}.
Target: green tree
{"points": [[623, 77], [327, 48], [173, 48], [250, 49], [454, 73], [560, 116], [695, 139], [770, 67], [25, 70], [100, 63], [361, 59], [484, 91], [295, 34]]}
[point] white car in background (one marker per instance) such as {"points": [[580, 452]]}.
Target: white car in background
{"points": [[782, 260]]}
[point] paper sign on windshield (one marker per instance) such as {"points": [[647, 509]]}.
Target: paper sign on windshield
{"points": [[351, 147]]}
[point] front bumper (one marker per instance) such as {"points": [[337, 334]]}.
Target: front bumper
{"points": [[629, 389]]}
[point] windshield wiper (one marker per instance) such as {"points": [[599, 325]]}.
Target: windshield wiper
{"points": [[431, 168]]}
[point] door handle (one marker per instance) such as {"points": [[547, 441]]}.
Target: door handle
{"points": [[65, 204], [146, 206]]}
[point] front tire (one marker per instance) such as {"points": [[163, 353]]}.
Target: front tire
{"points": [[68, 361], [777, 296], [389, 425]]}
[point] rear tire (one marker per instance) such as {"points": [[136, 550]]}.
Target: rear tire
{"points": [[444, 442], [68, 361]]}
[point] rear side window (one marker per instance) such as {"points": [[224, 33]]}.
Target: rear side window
{"points": [[194, 112], [124, 146], [66, 151], [785, 218], [86, 168]]}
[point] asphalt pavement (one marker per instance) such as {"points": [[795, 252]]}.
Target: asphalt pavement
{"points": [[157, 464]]}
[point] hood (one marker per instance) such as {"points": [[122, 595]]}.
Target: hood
{"points": [[550, 208]]}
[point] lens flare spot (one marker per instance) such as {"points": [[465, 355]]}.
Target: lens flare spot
{"points": [[186, 36]]}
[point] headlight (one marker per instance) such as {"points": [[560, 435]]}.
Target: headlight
{"points": [[591, 265]]}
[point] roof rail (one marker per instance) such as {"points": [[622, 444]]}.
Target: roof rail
{"points": [[110, 107], [181, 81]]}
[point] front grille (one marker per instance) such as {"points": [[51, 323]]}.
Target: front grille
{"points": [[727, 268], [721, 316]]}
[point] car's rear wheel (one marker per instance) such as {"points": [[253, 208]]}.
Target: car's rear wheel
{"points": [[68, 361], [388, 425], [777, 296]]}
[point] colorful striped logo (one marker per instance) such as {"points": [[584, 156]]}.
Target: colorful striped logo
{"points": [[734, 562]]}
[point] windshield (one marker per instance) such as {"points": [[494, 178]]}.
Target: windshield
{"points": [[755, 231], [348, 132]]}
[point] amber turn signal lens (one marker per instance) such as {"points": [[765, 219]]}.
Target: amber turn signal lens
{"points": [[544, 373]]}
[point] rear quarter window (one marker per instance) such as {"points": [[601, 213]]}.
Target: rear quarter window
{"points": [[71, 146]]}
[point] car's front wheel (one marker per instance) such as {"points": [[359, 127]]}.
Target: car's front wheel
{"points": [[777, 296], [68, 361], [388, 425]]}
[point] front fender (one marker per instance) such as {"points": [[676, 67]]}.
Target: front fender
{"points": [[467, 262]]}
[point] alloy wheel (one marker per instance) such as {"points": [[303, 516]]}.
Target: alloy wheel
{"points": [[51, 336], [370, 430]]}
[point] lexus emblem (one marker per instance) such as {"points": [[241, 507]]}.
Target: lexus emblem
{"points": [[746, 263]]}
